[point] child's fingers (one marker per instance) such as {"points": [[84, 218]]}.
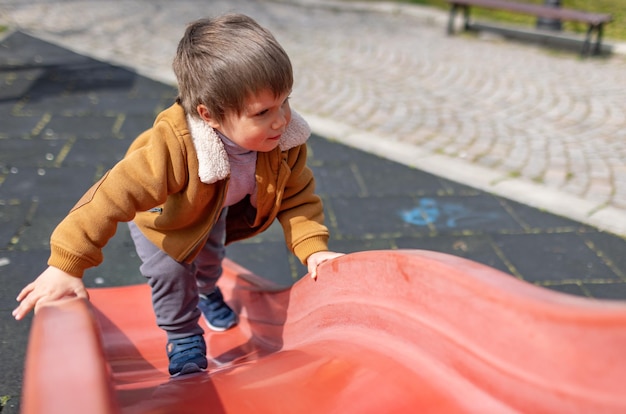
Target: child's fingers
{"points": [[25, 306], [25, 292], [26, 303]]}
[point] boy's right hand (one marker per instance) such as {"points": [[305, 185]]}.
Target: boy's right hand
{"points": [[52, 284]]}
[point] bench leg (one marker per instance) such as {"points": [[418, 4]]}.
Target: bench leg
{"points": [[598, 48], [587, 43], [466, 16], [453, 9]]}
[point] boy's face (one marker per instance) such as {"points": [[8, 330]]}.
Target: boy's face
{"points": [[261, 123]]}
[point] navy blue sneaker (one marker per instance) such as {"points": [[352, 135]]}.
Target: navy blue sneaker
{"points": [[187, 355], [217, 314]]}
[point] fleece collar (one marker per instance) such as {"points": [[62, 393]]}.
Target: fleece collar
{"points": [[213, 162]]}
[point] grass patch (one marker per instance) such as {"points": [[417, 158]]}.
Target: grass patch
{"points": [[4, 399], [615, 30]]}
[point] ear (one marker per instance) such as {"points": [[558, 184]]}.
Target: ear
{"points": [[204, 113]]}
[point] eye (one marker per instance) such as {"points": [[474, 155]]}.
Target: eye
{"points": [[263, 112]]}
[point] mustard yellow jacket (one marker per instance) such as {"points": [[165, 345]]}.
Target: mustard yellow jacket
{"points": [[172, 183]]}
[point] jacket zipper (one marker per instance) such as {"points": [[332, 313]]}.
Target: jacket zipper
{"points": [[215, 218]]}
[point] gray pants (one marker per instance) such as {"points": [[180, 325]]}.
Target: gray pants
{"points": [[175, 286]]}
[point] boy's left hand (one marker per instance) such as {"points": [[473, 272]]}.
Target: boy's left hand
{"points": [[318, 258]]}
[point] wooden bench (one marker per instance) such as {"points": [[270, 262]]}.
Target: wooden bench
{"points": [[595, 21]]}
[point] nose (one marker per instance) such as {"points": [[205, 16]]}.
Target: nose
{"points": [[281, 119]]}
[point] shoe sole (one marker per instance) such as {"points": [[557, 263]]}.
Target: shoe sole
{"points": [[220, 328], [189, 368]]}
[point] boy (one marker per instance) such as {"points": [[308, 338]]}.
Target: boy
{"points": [[217, 166]]}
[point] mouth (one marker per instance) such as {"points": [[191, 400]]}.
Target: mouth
{"points": [[276, 138]]}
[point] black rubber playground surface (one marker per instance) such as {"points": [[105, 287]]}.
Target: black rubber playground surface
{"points": [[66, 119]]}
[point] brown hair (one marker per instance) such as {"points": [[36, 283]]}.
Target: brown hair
{"points": [[221, 61]]}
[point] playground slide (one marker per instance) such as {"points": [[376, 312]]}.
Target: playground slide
{"points": [[402, 331]]}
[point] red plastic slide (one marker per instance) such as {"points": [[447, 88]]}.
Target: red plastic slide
{"points": [[378, 332]]}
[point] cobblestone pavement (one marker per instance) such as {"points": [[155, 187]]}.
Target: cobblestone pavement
{"points": [[541, 127]]}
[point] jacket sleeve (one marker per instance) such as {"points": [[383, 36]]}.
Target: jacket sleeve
{"points": [[301, 212], [154, 167]]}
